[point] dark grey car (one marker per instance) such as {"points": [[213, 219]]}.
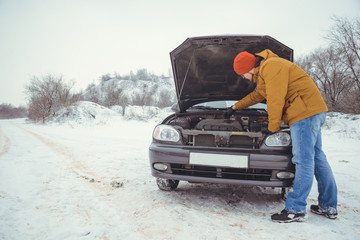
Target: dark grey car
{"points": [[196, 143]]}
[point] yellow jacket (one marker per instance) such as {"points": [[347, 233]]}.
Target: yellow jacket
{"points": [[289, 91]]}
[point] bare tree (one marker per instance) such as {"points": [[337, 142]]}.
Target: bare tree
{"points": [[166, 99], [91, 94], [105, 77], [38, 108], [8, 111], [305, 62], [352, 103], [124, 102], [345, 36], [47, 95], [336, 69], [142, 74], [112, 94], [331, 76]]}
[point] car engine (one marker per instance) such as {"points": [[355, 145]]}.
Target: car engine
{"points": [[242, 130]]}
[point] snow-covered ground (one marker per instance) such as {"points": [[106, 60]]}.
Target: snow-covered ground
{"points": [[89, 178]]}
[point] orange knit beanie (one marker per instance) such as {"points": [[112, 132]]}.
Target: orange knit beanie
{"points": [[244, 62]]}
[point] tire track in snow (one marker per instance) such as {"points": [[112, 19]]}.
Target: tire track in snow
{"points": [[76, 166], [4, 144], [90, 213], [31, 193], [132, 211]]}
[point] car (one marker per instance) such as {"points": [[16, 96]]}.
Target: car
{"points": [[196, 143]]}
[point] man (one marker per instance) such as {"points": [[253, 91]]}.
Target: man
{"points": [[293, 97]]}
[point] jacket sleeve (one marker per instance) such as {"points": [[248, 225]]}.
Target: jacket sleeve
{"points": [[252, 98], [276, 77]]}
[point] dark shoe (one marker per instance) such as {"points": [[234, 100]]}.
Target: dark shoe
{"points": [[317, 210], [287, 217]]}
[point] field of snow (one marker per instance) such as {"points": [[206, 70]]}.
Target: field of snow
{"points": [[89, 178]]}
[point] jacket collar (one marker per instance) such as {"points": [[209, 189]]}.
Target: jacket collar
{"points": [[266, 54]]}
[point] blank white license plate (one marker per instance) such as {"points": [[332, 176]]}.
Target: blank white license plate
{"points": [[219, 160]]}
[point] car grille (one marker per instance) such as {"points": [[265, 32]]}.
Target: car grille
{"points": [[225, 173], [209, 140]]}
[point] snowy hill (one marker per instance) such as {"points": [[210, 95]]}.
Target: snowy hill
{"points": [[84, 112], [90, 113], [159, 92]]}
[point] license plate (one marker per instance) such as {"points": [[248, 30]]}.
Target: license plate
{"points": [[219, 160]]}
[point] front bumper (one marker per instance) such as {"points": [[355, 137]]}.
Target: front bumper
{"points": [[262, 169]]}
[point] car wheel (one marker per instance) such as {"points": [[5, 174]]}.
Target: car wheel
{"points": [[167, 184], [285, 192]]}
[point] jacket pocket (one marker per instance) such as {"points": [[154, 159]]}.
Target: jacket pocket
{"points": [[294, 106]]}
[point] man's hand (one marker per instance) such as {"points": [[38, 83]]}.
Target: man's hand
{"points": [[267, 131], [228, 112]]}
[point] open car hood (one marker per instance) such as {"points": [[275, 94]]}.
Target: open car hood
{"points": [[203, 67]]}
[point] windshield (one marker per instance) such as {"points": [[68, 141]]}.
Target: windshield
{"points": [[226, 104]]}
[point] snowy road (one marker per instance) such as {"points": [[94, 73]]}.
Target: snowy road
{"points": [[46, 195], [94, 182]]}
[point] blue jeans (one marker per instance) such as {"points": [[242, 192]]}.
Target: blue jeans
{"points": [[309, 159]]}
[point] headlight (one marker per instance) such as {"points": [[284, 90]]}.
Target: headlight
{"points": [[166, 133], [279, 139]]}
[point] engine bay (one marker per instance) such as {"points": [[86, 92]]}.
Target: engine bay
{"points": [[242, 130], [216, 122]]}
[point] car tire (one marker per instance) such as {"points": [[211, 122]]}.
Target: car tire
{"points": [[167, 184]]}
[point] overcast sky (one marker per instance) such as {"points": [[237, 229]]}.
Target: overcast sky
{"points": [[84, 39]]}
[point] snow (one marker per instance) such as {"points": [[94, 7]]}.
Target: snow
{"points": [[81, 177]]}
